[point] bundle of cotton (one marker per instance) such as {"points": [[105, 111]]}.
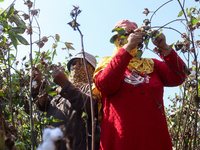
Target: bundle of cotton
{"points": [[49, 137]]}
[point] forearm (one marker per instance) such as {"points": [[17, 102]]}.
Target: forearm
{"points": [[109, 80], [78, 98], [171, 71]]}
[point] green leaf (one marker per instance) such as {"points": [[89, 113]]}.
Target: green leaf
{"points": [[120, 31], [48, 89], [138, 54], [146, 42], [189, 14], [189, 23], [13, 39], [20, 23], [172, 45], [1, 92], [123, 40], [191, 8], [7, 26], [56, 120], [68, 45], [10, 11], [21, 39], [84, 116], [54, 53], [1, 0], [3, 38], [194, 20], [20, 145], [180, 14], [154, 38], [2, 43], [52, 93]]}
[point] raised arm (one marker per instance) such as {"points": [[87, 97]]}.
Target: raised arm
{"points": [[171, 70], [78, 97], [108, 81]]}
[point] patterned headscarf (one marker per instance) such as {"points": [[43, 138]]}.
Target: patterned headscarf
{"points": [[140, 65], [78, 75]]}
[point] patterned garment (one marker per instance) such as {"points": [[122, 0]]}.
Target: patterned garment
{"points": [[78, 75], [140, 65]]}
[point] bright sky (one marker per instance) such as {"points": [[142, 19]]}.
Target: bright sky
{"points": [[97, 20]]}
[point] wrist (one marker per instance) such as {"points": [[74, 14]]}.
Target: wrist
{"points": [[166, 50], [127, 48]]}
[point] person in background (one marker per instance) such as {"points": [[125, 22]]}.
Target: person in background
{"points": [[131, 88], [74, 95]]}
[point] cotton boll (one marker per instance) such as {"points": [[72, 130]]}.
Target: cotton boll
{"points": [[34, 84], [56, 134], [192, 75], [48, 145], [49, 137], [46, 134]]}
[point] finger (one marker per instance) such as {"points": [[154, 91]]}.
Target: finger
{"points": [[154, 32], [138, 30]]}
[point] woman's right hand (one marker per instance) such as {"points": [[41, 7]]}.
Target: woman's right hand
{"points": [[134, 40]]}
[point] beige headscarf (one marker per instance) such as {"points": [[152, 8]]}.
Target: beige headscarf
{"points": [[78, 75]]}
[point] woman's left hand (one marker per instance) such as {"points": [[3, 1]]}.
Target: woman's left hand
{"points": [[160, 42]]}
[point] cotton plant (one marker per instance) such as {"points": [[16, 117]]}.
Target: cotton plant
{"points": [[49, 137]]}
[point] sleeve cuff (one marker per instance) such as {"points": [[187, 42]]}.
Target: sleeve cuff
{"points": [[167, 57], [67, 84], [125, 53]]}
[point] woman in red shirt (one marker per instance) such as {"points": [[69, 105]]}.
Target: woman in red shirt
{"points": [[132, 93]]}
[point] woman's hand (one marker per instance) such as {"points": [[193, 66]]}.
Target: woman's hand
{"points": [[133, 40], [160, 42], [59, 76]]}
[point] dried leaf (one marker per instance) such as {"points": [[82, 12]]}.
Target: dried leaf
{"points": [[26, 16], [40, 44], [29, 4], [68, 45], [146, 11], [74, 24], [34, 12], [45, 39], [57, 37]]}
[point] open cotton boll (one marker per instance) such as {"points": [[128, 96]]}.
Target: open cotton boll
{"points": [[56, 134], [46, 134], [192, 75], [34, 84], [49, 137]]}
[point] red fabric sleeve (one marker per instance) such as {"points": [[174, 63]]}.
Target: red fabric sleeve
{"points": [[108, 81], [171, 70]]}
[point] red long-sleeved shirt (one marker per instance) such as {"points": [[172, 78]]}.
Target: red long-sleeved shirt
{"points": [[133, 117]]}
